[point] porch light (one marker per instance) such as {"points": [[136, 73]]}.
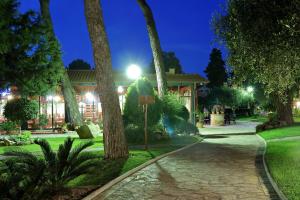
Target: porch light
{"points": [[10, 97], [120, 89], [134, 72], [89, 96], [56, 98], [49, 98]]}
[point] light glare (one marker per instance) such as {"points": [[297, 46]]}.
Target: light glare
{"points": [[134, 72]]}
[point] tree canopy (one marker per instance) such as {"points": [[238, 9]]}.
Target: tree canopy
{"points": [[170, 61], [79, 64], [263, 40], [215, 71], [28, 56]]}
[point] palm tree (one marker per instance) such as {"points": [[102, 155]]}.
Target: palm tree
{"points": [[113, 129], [156, 48], [25, 175]]}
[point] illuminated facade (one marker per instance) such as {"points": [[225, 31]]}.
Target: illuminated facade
{"points": [[88, 100]]}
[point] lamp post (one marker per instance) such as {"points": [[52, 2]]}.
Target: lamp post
{"points": [[56, 99], [81, 105], [50, 98]]}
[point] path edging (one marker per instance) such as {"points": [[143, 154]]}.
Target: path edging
{"points": [[273, 183], [97, 192]]}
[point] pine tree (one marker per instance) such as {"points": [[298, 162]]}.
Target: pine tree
{"points": [[215, 70]]}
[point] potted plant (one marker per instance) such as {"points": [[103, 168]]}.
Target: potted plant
{"points": [[200, 122]]}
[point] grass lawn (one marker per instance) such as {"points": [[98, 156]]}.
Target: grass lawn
{"points": [[109, 170], [283, 159], [54, 142], [281, 132]]}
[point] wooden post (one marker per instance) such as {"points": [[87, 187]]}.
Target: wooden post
{"points": [[146, 126]]}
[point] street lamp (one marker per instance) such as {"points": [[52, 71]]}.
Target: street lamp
{"points": [[56, 99], [51, 98], [134, 72]]}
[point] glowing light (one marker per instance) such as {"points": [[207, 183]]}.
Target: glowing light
{"points": [[298, 104], [49, 98], [57, 98], [81, 104], [10, 97], [120, 89], [250, 89], [89, 96], [134, 72]]}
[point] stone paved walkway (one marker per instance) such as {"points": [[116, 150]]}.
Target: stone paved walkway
{"points": [[225, 167], [241, 127]]}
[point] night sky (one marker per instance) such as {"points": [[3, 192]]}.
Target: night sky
{"points": [[183, 26]]}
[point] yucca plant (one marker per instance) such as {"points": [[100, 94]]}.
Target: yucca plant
{"points": [[28, 176]]}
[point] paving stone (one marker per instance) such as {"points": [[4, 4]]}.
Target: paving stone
{"points": [[225, 168]]}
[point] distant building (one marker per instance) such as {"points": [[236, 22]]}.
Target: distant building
{"points": [[88, 99]]}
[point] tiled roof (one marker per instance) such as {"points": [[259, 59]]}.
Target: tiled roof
{"points": [[88, 76]]}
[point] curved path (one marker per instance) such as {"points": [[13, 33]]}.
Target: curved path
{"points": [[221, 167]]}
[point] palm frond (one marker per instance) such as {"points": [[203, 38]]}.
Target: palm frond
{"points": [[63, 154], [79, 148], [48, 153]]}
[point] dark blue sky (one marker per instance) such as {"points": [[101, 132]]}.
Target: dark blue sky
{"points": [[183, 27]]}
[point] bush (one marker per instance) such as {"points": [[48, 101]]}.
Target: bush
{"points": [[184, 127], [21, 139], [20, 110], [133, 111], [8, 126], [88, 131], [296, 112], [136, 135], [43, 120], [172, 107]]}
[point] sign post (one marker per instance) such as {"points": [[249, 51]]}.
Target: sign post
{"points": [[145, 100]]}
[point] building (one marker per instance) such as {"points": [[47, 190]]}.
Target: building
{"points": [[89, 103]]}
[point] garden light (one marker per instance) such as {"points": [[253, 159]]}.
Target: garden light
{"points": [[250, 89], [134, 72]]}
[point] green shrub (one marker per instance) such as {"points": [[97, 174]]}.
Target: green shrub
{"points": [[172, 107], [43, 120], [184, 127], [133, 112], [8, 126], [296, 112], [20, 110], [21, 139], [136, 135]]}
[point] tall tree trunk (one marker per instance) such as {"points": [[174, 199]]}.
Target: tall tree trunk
{"points": [[114, 140], [156, 48], [284, 110], [67, 88]]}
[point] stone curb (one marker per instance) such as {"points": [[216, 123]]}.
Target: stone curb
{"points": [[97, 192], [273, 183]]}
